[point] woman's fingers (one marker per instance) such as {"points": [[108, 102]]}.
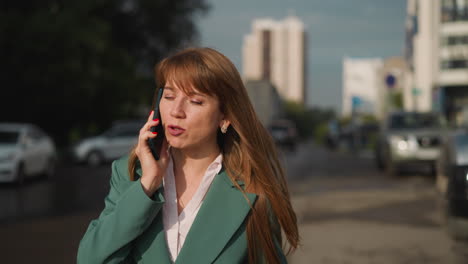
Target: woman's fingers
{"points": [[145, 134], [143, 139], [147, 126], [150, 117]]}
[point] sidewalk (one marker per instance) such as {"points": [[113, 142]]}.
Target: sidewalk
{"points": [[370, 227]]}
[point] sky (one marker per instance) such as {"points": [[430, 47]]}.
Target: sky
{"points": [[335, 29]]}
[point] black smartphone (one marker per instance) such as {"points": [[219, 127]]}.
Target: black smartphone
{"points": [[155, 144]]}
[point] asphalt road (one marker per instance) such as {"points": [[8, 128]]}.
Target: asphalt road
{"points": [[348, 212]]}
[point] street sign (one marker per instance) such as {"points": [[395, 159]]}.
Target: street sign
{"points": [[390, 80], [416, 91], [356, 101]]}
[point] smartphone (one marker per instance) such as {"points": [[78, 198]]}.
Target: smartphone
{"points": [[155, 144]]}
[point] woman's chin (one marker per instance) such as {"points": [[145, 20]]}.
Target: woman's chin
{"points": [[175, 144]]}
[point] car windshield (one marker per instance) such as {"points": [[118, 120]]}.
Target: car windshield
{"points": [[278, 128], [415, 120], [8, 137], [126, 130]]}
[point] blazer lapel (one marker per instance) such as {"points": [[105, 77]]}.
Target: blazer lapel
{"points": [[221, 214]]}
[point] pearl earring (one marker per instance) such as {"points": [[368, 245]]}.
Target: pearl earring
{"points": [[223, 129]]}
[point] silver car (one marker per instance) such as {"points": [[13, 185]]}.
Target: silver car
{"points": [[407, 139], [112, 144], [25, 151]]}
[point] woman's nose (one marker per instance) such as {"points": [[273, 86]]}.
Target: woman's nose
{"points": [[178, 109]]}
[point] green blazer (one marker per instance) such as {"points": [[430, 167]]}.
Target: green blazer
{"points": [[130, 228]]}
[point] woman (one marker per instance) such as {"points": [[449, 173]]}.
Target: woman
{"points": [[217, 194]]}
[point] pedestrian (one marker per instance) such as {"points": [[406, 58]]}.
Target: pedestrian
{"points": [[217, 194]]}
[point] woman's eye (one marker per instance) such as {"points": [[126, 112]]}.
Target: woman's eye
{"points": [[168, 97], [196, 102]]}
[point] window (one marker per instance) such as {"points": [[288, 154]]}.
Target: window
{"points": [[35, 134], [415, 120], [127, 132], [455, 40], [454, 10], [454, 64], [124, 130], [8, 137]]}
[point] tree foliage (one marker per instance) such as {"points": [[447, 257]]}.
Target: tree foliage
{"points": [[307, 120], [72, 65]]}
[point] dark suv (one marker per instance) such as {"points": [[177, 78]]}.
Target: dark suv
{"points": [[452, 180], [284, 133]]}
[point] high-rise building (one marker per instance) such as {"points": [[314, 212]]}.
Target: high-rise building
{"points": [[276, 51], [437, 55], [421, 54]]}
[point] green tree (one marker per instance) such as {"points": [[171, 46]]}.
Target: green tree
{"points": [[307, 120], [82, 64]]}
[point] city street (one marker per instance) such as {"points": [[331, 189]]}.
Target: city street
{"points": [[348, 212]]}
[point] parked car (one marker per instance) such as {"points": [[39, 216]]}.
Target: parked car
{"points": [[407, 139], [25, 151], [284, 133], [332, 137], [112, 144], [452, 179]]}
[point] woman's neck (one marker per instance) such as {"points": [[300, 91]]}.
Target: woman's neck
{"points": [[193, 163]]}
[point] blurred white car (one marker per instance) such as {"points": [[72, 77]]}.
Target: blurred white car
{"points": [[112, 144], [25, 151]]}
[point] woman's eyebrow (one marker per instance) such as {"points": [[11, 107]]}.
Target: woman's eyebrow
{"points": [[196, 94], [192, 93]]}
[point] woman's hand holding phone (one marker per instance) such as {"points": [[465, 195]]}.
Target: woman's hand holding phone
{"points": [[152, 170]]}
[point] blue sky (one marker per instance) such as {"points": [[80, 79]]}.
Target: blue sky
{"points": [[335, 28]]}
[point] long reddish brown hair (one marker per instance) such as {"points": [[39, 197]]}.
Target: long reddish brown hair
{"points": [[249, 153]]}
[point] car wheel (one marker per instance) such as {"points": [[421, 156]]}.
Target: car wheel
{"points": [[291, 147], [433, 169], [378, 160], [20, 175], [94, 158], [391, 169], [457, 227], [49, 171]]}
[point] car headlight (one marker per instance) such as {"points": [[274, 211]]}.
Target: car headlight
{"points": [[402, 145], [400, 142]]}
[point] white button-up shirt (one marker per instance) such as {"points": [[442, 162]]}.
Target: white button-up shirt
{"points": [[177, 226]]}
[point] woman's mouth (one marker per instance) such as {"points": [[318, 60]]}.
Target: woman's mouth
{"points": [[175, 130]]}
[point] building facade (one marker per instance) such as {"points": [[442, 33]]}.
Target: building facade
{"points": [[361, 86], [265, 99], [276, 51], [420, 53], [437, 56], [452, 86]]}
